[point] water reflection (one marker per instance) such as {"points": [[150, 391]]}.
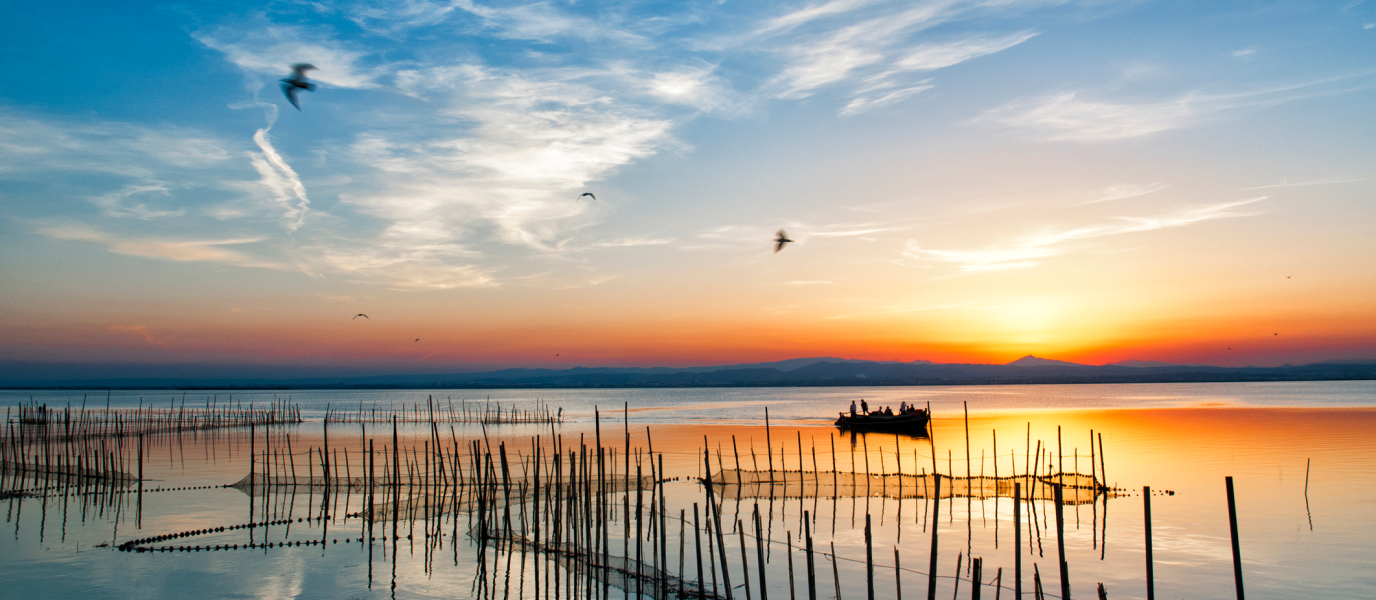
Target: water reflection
{"points": [[350, 526]]}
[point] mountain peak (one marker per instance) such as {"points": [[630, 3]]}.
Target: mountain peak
{"points": [[1032, 361]]}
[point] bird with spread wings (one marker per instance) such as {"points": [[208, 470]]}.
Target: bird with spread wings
{"points": [[780, 240], [297, 82]]}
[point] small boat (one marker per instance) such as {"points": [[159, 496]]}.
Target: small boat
{"points": [[914, 422]]}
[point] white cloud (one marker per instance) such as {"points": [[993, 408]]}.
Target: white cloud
{"points": [[1123, 191], [31, 145], [496, 168], [205, 250], [629, 242], [874, 48], [928, 57], [1244, 53], [280, 180], [272, 49], [812, 13], [1027, 250], [544, 21], [1065, 116], [1312, 182], [117, 203], [866, 102]]}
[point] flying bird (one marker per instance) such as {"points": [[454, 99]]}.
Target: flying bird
{"points": [[417, 339], [780, 239], [588, 194], [1275, 334], [360, 315], [297, 82]]}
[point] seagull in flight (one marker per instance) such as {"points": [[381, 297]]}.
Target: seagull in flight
{"points": [[780, 239], [360, 315], [588, 194], [297, 82]]}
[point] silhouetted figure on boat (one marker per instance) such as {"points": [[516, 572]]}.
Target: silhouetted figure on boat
{"points": [[909, 419]]}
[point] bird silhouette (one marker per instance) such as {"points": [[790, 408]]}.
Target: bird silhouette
{"points": [[417, 339], [297, 82], [588, 194], [360, 315], [1275, 334], [780, 239]]}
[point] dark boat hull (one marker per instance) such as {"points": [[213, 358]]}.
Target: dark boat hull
{"points": [[915, 424]]}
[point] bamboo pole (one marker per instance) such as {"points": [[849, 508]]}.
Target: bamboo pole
{"points": [[1232, 525], [1146, 510]]}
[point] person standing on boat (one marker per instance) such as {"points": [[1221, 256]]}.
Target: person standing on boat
{"points": [[852, 409], [864, 407], [903, 408]]}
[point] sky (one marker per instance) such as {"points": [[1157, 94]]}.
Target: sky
{"points": [[964, 181]]}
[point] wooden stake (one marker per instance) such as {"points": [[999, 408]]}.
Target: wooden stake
{"points": [[1060, 543], [1237, 550], [897, 575], [1017, 537], [811, 570], [936, 506], [869, 558], [1146, 509]]}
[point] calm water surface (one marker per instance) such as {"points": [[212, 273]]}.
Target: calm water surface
{"points": [[1177, 438]]}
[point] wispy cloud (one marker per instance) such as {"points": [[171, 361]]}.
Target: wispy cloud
{"points": [[211, 250], [279, 178], [1027, 250], [1066, 116], [1312, 182], [1070, 117], [812, 13], [928, 57], [120, 204], [873, 48], [1123, 191], [32, 145], [629, 242], [271, 49]]}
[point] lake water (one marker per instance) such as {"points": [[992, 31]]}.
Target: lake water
{"points": [[1302, 455]]}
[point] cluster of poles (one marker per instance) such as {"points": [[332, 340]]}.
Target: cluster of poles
{"points": [[98, 444], [593, 516], [484, 413], [34, 422]]}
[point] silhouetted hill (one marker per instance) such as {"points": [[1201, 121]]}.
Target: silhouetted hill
{"points": [[1032, 361], [794, 372]]}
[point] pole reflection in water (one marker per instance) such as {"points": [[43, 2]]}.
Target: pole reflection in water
{"points": [[527, 515]]}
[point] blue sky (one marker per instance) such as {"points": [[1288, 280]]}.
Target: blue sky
{"points": [[1032, 159]]}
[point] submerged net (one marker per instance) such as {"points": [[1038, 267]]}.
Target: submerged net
{"points": [[1077, 488]]}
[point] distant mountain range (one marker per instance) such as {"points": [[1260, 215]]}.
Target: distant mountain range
{"points": [[819, 371]]}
